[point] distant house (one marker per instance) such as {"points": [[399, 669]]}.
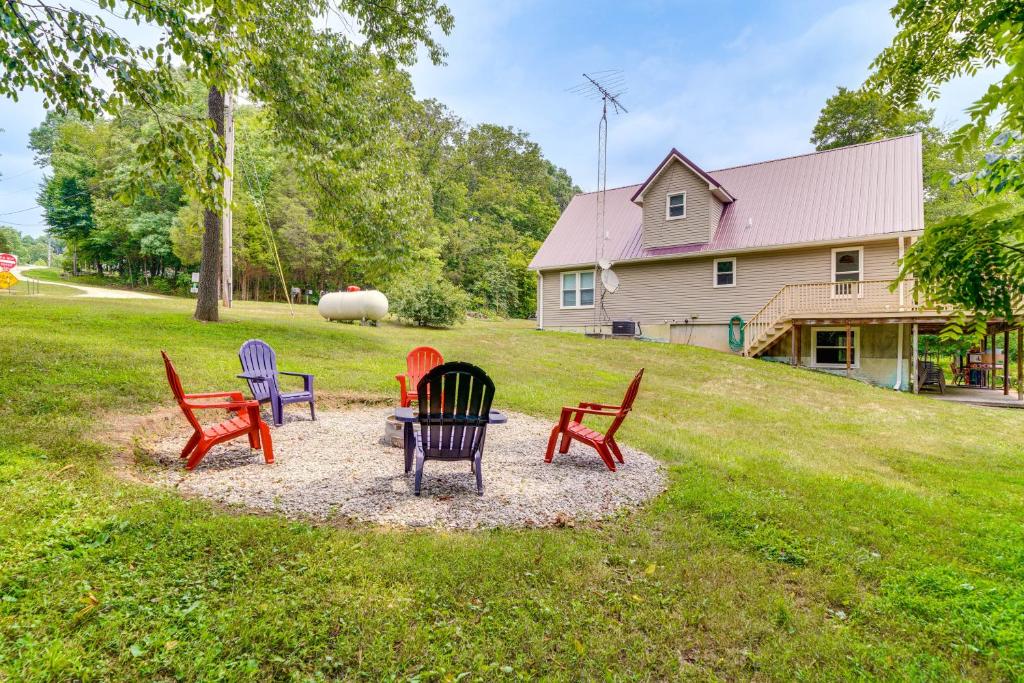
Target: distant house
{"points": [[799, 253]]}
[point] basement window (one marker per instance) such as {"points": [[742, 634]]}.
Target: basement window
{"points": [[675, 206], [578, 289], [828, 347]]}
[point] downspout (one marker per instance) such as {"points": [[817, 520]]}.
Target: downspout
{"points": [[899, 350]]}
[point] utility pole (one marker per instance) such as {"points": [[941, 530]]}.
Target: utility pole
{"points": [[227, 272]]}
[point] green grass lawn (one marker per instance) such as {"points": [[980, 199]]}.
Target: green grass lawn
{"points": [[813, 528]]}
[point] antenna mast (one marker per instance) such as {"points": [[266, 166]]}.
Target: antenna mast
{"points": [[608, 87]]}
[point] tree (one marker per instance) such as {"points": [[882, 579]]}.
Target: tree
{"points": [[973, 262], [964, 260], [851, 117], [229, 46], [944, 39]]}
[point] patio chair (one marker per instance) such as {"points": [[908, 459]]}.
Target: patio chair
{"points": [[245, 421], [418, 363], [570, 426], [930, 374], [455, 405], [259, 369], [959, 373]]}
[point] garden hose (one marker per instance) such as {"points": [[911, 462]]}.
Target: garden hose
{"points": [[736, 333]]}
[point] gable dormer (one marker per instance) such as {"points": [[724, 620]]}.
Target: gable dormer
{"points": [[681, 204]]}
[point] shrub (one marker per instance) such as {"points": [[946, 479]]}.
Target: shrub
{"points": [[430, 304]]}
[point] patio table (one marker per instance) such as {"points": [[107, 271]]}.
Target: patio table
{"points": [[408, 418]]}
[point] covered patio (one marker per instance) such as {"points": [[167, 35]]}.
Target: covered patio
{"points": [[978, 396], [985, 376]]}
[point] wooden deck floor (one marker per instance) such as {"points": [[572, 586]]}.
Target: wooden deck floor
{"points": [[992, 398]]}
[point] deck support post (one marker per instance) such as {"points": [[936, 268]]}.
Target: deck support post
{"points": [[848, 345], [913, 356], [1006, 361], [899, 357], [992, 363], [1020, 363], [792, 345], [800, 342]]}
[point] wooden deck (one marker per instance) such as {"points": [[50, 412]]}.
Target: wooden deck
{"points": [[977, 396], [866, 302]]}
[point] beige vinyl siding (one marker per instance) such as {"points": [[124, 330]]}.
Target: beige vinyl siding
{"points": [[714, 215], [695, 227], [659, 292]]}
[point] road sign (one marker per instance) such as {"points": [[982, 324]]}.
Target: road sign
{"points": [[7, 280], [8, 261]]}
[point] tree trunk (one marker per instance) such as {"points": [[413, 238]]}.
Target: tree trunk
{"points": [[209, 264]]}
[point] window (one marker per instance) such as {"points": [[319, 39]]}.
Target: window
{"points": [[847, 269], [725, 272], [675, 206], [829, 347], [578, 289]]}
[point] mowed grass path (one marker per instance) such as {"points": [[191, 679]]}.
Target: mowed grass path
{"points": [[813, 527]]}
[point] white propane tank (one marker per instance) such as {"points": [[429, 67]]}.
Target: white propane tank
{"points": [[354, 304]]}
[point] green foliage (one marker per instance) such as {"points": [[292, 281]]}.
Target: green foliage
{"points": [[970, 261], [27, 248], [431, 195], [83, 66], [973, 262], [851, 117], [945, 39], [429, 303], [495, 198]]}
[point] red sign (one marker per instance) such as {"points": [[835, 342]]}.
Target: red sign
{"points": [[8, 261]]}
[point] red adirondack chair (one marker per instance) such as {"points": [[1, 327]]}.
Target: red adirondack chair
{"points": [[570, 426], [246, 420], [418, 363]]}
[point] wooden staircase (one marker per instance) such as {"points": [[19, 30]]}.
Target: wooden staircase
{"points": [[768, 337]]}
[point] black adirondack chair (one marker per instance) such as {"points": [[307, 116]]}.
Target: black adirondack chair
{"points": [[455, 405]]}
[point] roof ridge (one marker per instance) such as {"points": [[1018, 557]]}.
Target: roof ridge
{"points": [[815, 152], [620, 187]]}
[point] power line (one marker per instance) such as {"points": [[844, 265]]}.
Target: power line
{"points": [[11, 213]]}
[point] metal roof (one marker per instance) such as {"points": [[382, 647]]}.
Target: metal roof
{"points": [[859, 192]]}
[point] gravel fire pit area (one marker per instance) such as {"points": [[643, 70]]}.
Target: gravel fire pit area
{"points": [[340, 467]]}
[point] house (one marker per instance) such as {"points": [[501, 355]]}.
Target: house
{"points": [[791, 259]]}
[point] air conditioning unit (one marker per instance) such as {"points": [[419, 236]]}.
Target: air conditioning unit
{"points": [[624, 328]]}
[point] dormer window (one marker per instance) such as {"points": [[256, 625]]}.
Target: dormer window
{"points": [[675, 206]]}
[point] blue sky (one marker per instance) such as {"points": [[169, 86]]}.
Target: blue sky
{"points": [[726, 83]]}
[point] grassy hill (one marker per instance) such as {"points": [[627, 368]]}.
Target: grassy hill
{"points": [[813, 527]]}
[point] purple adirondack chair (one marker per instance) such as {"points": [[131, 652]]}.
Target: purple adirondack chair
{"points": [[455, 407], [259, 369]]}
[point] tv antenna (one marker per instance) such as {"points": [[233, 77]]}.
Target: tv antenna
{"points": [[608, 86]]}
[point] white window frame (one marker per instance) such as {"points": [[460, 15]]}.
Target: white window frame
{"points": [[860, 273], [714, 272], [855, 347], [668, 206], [561, 288]]}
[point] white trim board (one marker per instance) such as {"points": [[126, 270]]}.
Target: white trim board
{"points": [[855, 330]]}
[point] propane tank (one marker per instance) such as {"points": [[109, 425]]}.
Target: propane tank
{"points": [[353, 304]]}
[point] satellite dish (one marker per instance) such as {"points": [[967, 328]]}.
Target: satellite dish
{"points": [[605, 264], [610, 280]]}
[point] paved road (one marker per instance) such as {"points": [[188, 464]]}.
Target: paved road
{"points": [[86, 291]]}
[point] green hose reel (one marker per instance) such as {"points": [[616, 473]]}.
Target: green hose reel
{"points": [[736, 333]]}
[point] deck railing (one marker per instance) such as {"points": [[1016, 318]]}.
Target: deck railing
{"points": [[828, 298]]}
